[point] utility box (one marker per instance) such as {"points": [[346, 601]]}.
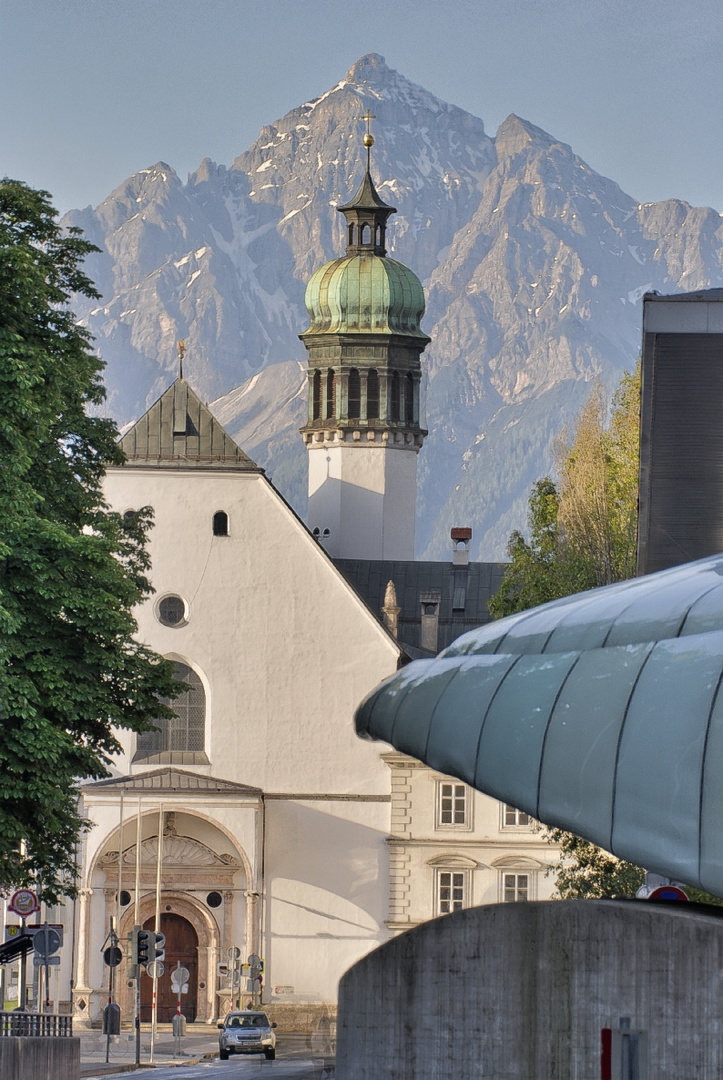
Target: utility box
{"points": [[111, 1019], [179, 1024]]}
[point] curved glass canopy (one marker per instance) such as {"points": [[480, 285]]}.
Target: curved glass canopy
{"points": [[601, 714]]}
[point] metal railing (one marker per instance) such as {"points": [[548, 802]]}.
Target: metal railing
{"points": [[37, 1025]]}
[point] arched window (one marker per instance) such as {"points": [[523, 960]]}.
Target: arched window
{"points": [[395, 396], [366, 234], [378, 238], [352, 233], [354, 394], [372, 396], [220, 523], [409, 400], [330, 394], [181, 739], [316, 396]]}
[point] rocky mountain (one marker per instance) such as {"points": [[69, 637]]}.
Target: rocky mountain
{"points": [[533, 264]]}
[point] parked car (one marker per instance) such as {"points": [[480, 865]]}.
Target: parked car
{"points": [[247, 1032]]}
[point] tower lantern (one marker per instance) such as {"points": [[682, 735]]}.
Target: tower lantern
{"points": [[363, 431]]}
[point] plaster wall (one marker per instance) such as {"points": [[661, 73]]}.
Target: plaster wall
{"points": [[284, 647], [522, 991], [366, 495], [327, 874]]}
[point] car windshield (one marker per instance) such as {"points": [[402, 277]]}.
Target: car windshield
{"points": [[257, 1020]]}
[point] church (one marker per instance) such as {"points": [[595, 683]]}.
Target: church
{"points": [[255, 821]]}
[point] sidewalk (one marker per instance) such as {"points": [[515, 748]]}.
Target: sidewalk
{"points": [[201, 1041]]}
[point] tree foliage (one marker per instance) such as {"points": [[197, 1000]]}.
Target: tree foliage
{"points": [[70, 571], [585, 871], [582, 530]]}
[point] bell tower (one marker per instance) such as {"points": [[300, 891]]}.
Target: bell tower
{"points": [[363, 431]]}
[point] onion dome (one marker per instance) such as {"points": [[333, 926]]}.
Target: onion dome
{"points": [[364, 294]]}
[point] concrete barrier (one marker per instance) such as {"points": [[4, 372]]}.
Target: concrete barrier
{"points": [[31, 1058], [522, 991]]}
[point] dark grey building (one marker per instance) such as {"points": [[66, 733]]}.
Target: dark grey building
{"points": [[681, 430]]}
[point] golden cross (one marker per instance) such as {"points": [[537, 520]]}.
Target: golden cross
{"points": [[181, 346], [368, 117]]}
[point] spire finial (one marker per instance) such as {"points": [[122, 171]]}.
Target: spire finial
{"points": [[368, 139], [181, 346]]}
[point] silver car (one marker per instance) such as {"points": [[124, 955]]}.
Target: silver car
{"points": [[247, 1032]]}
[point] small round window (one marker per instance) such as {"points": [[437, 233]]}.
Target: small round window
{"points": [[172, 611]]}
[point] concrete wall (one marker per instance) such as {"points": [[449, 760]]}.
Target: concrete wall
{"points": [[39, 1059], [521, 991]]}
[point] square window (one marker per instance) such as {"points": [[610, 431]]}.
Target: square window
{"points": [[450, 891], [513, 818], [452, 804], [515, 888]]}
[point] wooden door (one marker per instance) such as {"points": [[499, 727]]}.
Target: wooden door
{"points": [[181, 946]]}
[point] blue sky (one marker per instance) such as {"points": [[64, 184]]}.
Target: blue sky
{"points": [[92, 90]]}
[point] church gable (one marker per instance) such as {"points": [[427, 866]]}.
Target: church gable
{"points": [[170, 781], [180, 430]]}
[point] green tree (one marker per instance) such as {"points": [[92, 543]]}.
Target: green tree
{"points": [[585, 871], [582, 529], [70, 571]]}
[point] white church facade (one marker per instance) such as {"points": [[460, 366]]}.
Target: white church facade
{"points": [[256, 819]]}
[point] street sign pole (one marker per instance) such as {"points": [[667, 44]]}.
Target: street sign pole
{"points": [[23, 972]]}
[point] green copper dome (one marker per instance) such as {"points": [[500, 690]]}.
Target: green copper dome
{"points": [[365, 293]]}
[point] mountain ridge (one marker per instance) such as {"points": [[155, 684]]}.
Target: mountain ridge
{"points": [[533, 266]]}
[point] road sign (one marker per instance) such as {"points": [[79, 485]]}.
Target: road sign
{"points": [[234, 952], [179, 975], [155, 968], [112, 956], [46, 941], [51, 961], [668, 892], [253, 960], [24, 902]]}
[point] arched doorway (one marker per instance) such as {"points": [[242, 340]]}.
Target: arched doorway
{"points": [[181, 947]]}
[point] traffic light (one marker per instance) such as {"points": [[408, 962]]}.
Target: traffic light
{"points": [[132, 954], [159, 947], [145, 940]]}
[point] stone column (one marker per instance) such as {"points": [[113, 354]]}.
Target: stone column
{"points": [[363, 387], [384, 407], [82, 990], [252, 928]]}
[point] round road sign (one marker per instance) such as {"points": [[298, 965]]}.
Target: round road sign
{"points": [[112, 956], [668, 892], [46, 941], [24, 902], [155, 969]]}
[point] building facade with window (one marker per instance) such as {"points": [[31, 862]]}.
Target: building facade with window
{"points": [[254, 819], [452, 847]]}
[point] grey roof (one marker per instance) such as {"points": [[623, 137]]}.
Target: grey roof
{"points": [[600, 714], [170, 780], [413, 580], [180, 430], [686, 297]]}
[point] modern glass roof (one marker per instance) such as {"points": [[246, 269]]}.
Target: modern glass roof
{"points": [[601, 714]]}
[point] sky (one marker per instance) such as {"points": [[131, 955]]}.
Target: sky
{"points": [[93, 90]]}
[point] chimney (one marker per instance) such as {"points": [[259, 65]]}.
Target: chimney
{"points": [[460, 546]]}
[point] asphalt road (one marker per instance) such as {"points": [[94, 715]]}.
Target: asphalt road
{"points": [[242, 1068], [294, 1061]]}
